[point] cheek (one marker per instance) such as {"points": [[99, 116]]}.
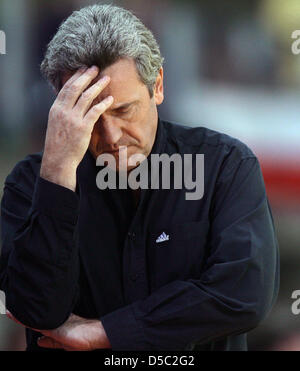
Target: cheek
{"points": [[137, 131], [95, 137]]}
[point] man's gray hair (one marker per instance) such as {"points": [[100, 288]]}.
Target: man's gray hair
{"points": [[100, 35]]}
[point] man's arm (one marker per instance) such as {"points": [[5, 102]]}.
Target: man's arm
{"points": [[76, 334], [237, 288], [39, 258]]}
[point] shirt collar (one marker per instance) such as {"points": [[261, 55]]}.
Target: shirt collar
{"points": [[159, 142]]}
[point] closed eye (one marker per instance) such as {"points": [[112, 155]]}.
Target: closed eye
{"points": [[122, 110], [125, 108]]}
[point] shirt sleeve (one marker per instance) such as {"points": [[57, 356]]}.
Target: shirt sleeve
{"points": [[237, 287], [39, 258]]}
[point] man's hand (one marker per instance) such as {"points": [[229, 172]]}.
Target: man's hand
{"points": [[70, 125], [76, 334]]}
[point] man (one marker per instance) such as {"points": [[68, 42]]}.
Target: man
{"points": [[85, 268]]}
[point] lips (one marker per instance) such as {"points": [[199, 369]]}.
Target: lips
{"points": [[120, 149]]}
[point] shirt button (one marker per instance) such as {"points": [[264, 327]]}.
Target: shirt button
{"points": [[131, 235]]}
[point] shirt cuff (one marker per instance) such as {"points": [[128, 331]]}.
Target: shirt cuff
{"points": [[123, 330], [56, 201]]}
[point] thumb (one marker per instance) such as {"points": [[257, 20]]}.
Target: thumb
{"points": [[47, 342]]}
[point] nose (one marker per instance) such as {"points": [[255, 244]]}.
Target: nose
{"points": [[110, 129]]}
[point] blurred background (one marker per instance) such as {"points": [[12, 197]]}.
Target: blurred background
{"points": [[228, 66]]}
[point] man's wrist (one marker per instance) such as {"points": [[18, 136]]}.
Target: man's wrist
{"points": [[102, 341], [62, 174]]}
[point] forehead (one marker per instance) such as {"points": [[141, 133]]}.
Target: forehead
{"points": [[125, 82]]}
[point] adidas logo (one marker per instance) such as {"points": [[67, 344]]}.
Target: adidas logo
{"points": [[163, 237]]}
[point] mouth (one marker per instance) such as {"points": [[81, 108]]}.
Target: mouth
{"points": [[120, 149]]}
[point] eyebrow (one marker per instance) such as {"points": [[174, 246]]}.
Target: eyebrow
{"points": [[124, 105]]}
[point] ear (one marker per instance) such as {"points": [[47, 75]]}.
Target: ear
{"points": [[158, 92]]}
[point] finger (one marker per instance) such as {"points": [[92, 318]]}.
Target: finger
{"points": [[75, 76], [97, 110], [70, 93], [47, 342], [88, 96], [70, 81]]}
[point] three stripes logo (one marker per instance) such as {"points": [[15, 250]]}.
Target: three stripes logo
{"points": [[163, 237]]}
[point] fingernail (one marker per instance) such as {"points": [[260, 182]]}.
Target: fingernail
{"points": [[94, 68]]}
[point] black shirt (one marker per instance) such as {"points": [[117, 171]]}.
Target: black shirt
{"points": [[95, 252]]}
